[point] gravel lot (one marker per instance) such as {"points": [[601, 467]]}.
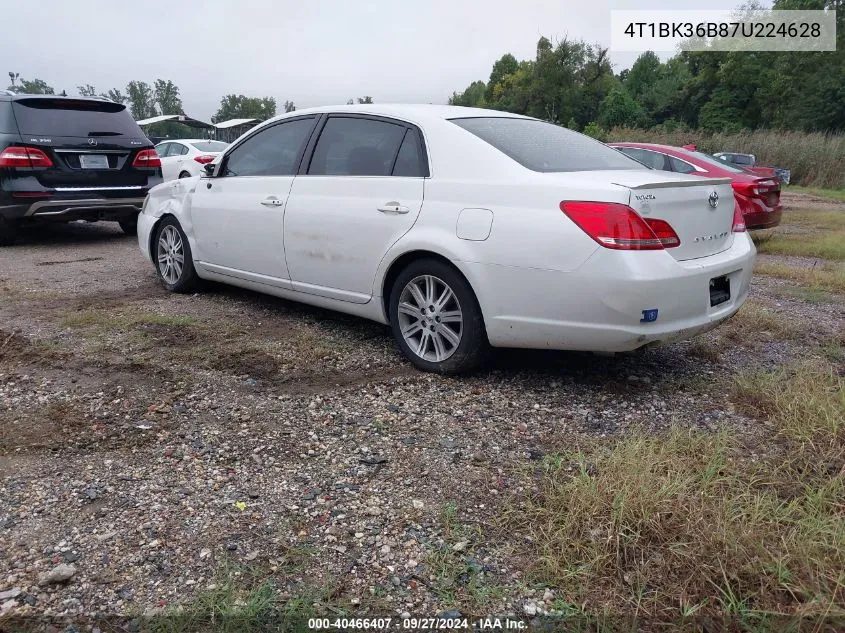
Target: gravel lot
{"points": [[147, 439]]}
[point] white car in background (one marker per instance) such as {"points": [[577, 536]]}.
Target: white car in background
{"points": [[183, 158], [461, 228]]}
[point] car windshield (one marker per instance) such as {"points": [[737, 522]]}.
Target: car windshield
{"points": [[545, 147], [710, 160], [210, 146]]}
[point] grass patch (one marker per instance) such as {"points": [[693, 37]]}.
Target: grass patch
{"points": [[827, 277], [830, 245], [755, 322], [107, 320], [818, 220], [691, 525], [239, 602], [831, 194]]}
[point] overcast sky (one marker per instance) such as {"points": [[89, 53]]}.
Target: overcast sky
{"points": [[312, 52]]}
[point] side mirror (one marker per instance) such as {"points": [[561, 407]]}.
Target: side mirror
{"points": [[209, 169]]}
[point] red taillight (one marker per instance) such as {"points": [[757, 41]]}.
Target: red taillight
{"points": [[619, 227], [204, 159], [146, 159], [664, 232], [759, 189], [24, 158], [739, 220]]}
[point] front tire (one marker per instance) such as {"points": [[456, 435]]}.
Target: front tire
{"points": [[436, 320], [172, 257], [184, 174]]}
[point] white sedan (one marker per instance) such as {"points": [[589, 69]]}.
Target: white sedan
{"points": [[460, 228], [183, 158]]}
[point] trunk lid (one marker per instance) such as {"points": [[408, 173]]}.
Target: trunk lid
{"points": [[700, 210], [91, 143]]}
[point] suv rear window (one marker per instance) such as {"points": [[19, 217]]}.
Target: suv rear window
{"points": [[74, 117], [7, 122], [210, 146], [541, 146]]}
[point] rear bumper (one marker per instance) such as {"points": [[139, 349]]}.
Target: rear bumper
{"points": [[601, 306], [52, 210], [763, 219]]}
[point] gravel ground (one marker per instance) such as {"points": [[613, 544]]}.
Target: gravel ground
{"points": [[147, 438]]}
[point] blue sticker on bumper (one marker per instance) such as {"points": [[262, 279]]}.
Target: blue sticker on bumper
{"points": [[649, 316]]}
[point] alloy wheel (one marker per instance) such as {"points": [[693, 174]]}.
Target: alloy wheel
{"points": [[430, 318], [171, 254]]}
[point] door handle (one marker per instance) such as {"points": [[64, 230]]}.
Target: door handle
{"points": [[271, 201], [393, 208]]}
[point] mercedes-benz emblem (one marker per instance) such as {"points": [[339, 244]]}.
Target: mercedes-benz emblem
{"points": [[92, 141], [713, 200]]}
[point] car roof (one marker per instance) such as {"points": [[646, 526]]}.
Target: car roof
{"points": [[411, 112]]}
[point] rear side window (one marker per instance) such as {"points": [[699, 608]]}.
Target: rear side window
{"points": [[410, 161], [7, 122], [74, 117], [681, 166], [163, 149], [351, 146], [715, 162], [541, 146], [210, 146], [655, 160], [178, 150], [273, 151]]}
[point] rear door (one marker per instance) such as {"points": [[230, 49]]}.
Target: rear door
{"points": [[361, 191], [91, 143]]}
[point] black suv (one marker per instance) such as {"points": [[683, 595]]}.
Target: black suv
{"points": [[71, 158]]}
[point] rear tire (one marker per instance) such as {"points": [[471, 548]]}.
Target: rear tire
{"points": [[172, 257], [436, 320], [8, 232], [129, 225]]}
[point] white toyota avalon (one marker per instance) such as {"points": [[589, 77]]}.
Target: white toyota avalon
{"points": [[461, 228]]}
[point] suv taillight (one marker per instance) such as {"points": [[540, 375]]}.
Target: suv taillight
{"points": [[24, 158], [146, 159], [619, 227], [204, 159], [739, 219]]}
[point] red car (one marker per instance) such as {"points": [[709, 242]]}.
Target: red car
{"points": [[758, 197]]}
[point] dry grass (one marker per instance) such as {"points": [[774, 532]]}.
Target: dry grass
{"points": [[815, 160], [755, 322], [828, 245], [829, 277], [832, 194], [688, 525]]}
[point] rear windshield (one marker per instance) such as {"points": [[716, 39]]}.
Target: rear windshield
{"points": [[74, 117], [710, 160], [210, 146], [541, 146]]}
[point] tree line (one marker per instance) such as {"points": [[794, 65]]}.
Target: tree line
{"points": [[572, 83]]}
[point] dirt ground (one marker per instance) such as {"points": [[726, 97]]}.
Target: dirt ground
{"points": [[147, 439]]}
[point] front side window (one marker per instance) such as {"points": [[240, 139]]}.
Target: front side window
{"points": [[273, 151], [545, 147], [351, 146]]}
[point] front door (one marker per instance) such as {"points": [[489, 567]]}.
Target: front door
{"points": [[238, 216]]}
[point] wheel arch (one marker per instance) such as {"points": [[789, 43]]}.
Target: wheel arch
{"points": [[402, 261]]}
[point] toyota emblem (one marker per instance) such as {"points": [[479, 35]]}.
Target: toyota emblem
{"points": [[713, 200], [92, 141]]}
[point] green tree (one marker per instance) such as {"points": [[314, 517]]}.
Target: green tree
{"points": [[289, 106], [620, 109], [166, 97], [33, 87], [114, 94], [365, 99], [87, 90], [472, 97], [234, 106], [141, 100]]}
